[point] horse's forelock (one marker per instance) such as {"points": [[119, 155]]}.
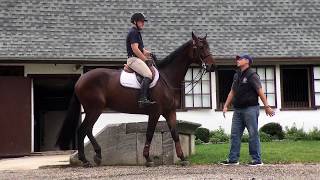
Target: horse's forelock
{"points": [[203, 40]]}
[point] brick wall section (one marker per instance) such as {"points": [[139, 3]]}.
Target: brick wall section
{"points": [[97, 28]]}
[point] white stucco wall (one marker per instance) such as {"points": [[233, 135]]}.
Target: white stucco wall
{"points": [[212, 119]]}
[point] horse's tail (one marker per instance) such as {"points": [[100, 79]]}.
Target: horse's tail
{"points": [[70, 124]]}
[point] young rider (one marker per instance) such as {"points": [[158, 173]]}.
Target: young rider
{"points": [[138, 56]]}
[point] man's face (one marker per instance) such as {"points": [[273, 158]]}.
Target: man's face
{"points": [[140, 24], [242, 61]]}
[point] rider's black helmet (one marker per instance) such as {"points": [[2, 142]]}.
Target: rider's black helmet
{"points": [[138, 17]]}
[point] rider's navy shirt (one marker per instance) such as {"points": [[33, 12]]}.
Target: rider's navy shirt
{"points": [[134, 36]]}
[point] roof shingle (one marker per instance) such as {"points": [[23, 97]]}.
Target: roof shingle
{"points": [[97, 28]]}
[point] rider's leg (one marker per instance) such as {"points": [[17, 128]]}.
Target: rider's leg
{"points": [[140, 67], [143, 100]]}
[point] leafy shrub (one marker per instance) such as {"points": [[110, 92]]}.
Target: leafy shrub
{"points": [[202, 134], [295, 134], [245, 137], [198, 141], [314, 134], [273, 129], [264, 137], [218, 136]]}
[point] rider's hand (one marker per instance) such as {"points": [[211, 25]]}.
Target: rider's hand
{"points": [[126, 67], [147, 53], [149, 62]]}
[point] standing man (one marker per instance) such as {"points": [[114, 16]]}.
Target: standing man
{"points": [[246, 88], [139, 57]]}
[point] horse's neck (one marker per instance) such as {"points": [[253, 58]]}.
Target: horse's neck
{"points": [[176, 70]]}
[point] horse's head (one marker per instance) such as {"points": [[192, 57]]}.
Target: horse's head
{"points": [[201, 53]]}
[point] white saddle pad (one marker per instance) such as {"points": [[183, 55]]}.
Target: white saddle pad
{"points": [[130, 80]]}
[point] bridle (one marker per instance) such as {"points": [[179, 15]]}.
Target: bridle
{"points": [[196, 50], [202, 71]]}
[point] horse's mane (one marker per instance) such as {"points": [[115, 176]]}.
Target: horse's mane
{"points": [[172, 56]]}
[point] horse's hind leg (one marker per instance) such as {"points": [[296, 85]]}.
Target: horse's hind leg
{"points": [[171, 121], [81, 135], [97, 158], [86, 129]]}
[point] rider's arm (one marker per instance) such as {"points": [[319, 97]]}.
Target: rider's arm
{"points": [[146, 52], [137, 52]]}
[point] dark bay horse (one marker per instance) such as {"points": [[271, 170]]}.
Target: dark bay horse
{"points": [[100, 88]]}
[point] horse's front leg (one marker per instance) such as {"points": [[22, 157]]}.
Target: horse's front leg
{"points": [[171, 119], [152, 123]]}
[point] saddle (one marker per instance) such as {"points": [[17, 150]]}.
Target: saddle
{"points": [[131, 79]]}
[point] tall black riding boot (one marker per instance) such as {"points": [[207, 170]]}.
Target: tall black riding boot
{"points": [[143, 100]]}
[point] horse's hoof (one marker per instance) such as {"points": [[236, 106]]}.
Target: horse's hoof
{"points": [[184, 163], [74, 161], [97, 160], [87, 164], [150, 164]]}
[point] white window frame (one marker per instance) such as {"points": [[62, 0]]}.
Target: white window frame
{"points": [[268, 81], [200, 96], [316, 85], [296, 104]]}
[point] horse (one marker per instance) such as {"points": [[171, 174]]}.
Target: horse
{"points": [[100, 88]]}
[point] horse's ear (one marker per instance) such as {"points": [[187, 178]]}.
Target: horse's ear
{"points": [[195, 38], [205, 37]]}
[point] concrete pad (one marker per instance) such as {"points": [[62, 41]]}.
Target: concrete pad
{"points": [[33, 162]]}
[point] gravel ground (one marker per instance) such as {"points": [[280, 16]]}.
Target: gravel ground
{"points": [[289, 171]]}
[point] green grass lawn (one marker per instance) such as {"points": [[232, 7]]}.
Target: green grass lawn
{"points": [[272, 152]]}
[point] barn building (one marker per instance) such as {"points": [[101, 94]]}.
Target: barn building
{"points": [[46, 45]]}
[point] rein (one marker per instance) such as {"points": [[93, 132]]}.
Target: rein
{"points": [[202, 71]]}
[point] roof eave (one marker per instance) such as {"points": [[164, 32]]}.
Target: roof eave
{"points": [[273, 60], [61, 60]]}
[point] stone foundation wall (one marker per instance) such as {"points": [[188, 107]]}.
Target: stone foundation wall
{"points": [[122, 144]]}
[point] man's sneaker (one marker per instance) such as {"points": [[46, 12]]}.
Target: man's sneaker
{"points": [[255, 163], [228, 163]]}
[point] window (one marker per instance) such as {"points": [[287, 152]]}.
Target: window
{"points": [[316, 77], [224, 83], [200, 95], [225, 78], [267, 77], [295, 87]]}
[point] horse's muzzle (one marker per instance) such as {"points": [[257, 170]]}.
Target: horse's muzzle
{"points": [[210, 67]]}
